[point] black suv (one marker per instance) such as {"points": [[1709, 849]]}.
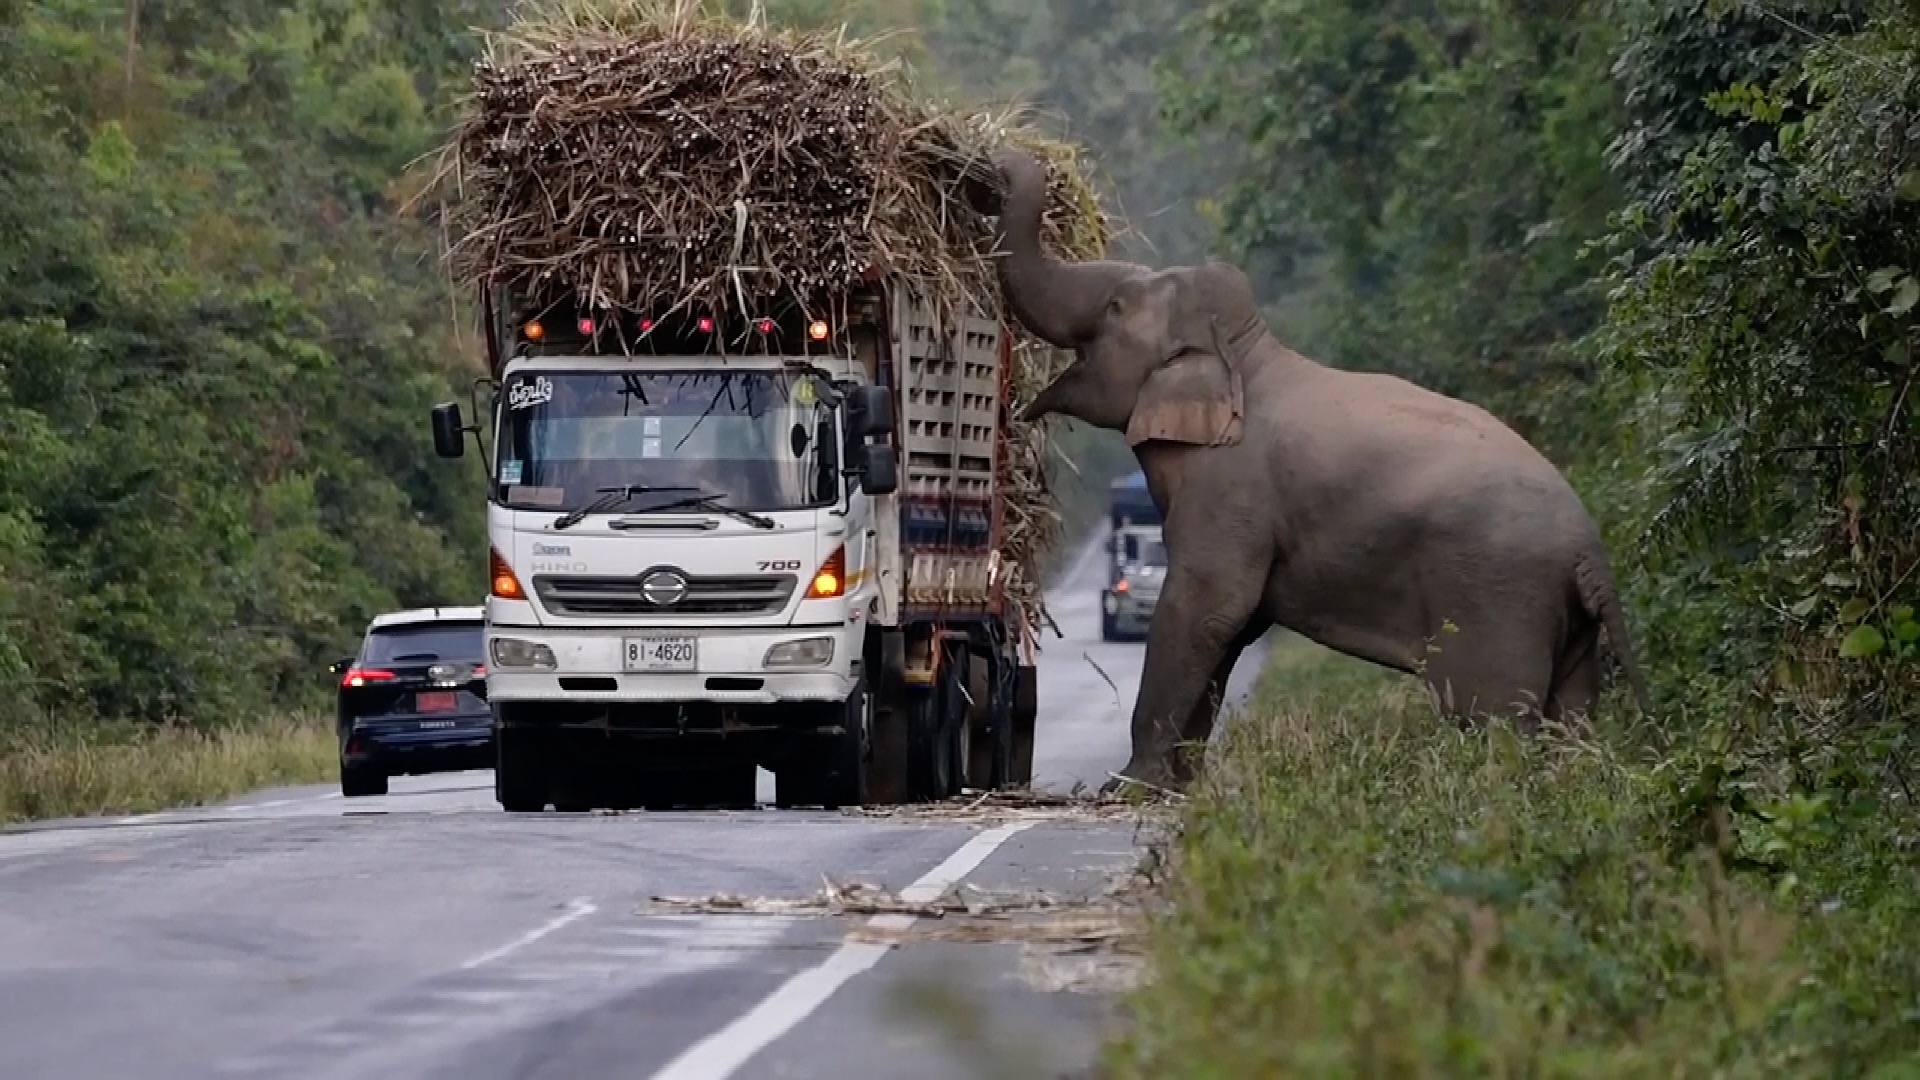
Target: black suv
{"points": [[415, 699]]}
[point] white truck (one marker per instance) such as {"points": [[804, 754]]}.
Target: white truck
{"points": [[704, 559]]}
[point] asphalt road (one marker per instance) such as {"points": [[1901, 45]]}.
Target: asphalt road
{"points": [[427, 934]]}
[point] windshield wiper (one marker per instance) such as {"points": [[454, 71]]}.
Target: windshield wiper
{"points": [[712, 502], [610, 497]]}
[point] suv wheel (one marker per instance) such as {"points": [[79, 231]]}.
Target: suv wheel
{"points": [[359, 781]]}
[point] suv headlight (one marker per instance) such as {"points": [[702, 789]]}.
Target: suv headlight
{"points": [[514, 653], [804, 653]]}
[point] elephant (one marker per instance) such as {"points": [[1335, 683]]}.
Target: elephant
{"points": [[1361, 511]]}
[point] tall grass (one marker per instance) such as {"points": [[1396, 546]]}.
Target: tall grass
{"points": [[1361, 890], [72, 771]]}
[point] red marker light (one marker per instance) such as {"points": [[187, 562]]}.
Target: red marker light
{"points": [[766, 326], [646, 326], [706, 325], [586, 326]]}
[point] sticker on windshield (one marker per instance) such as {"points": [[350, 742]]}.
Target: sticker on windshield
{"points": [[510, 471], [528, 394], [649, 448], [650, 425], [803, 392]]}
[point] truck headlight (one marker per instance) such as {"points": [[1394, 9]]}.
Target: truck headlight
{"points": [[514, 653], [804, 653]]}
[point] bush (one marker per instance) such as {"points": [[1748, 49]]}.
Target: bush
{"points": [[1362, 890]]}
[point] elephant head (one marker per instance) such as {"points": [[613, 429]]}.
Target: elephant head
{"points": [[1158, 354]]}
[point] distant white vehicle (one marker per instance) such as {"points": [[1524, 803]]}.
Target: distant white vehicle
{"points": [[1137, 569]]}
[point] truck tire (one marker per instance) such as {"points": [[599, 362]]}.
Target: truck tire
{"points": [[984, 769], [1026, 709], [954, 717], [831, 773], [520, 770], [360, 781], [929, 747], [886, 765]]}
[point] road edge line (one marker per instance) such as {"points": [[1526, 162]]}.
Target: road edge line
{"points": [[722, 1053]]}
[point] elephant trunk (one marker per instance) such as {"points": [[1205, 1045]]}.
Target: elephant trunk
{"points": [[1059, 302]]}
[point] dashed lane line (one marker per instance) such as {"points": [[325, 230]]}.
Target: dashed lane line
{"points": [[576, 910]]}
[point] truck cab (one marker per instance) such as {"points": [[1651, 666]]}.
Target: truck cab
{"points": [[697, 560]]}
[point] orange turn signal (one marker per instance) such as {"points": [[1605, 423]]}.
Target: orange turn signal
{"points": [[831, 579], [504, 584], [535, 331], [818, 330]]}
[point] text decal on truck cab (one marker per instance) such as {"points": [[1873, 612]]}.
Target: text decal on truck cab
{"points": [[528, 394]]}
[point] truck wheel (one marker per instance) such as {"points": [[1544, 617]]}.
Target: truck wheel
{"points": [[1026, 708], [832, 773], [929, 747], [1109, 627], [359, 781], [887, 765], [984, 769], [520, 771], [953, 709]]}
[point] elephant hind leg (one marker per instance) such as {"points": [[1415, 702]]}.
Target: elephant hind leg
{"points": [[1576, 677], [1506, 672]]}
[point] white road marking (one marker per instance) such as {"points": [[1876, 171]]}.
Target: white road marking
{"points": [[722, 1053], [578, 909]]}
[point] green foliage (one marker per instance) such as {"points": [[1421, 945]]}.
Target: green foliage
{"points": [[217, 345], [1359, 891], [1418, 181], [1766, 316]]}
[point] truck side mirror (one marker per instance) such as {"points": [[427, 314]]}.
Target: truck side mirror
{"points": [[870, 410], [449, 435], [879, 469]]}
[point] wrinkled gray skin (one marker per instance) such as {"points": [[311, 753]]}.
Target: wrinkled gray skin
{"points": [[1372, 516]]}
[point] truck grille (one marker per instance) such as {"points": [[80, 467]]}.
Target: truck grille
{"points": [[760, 595]]}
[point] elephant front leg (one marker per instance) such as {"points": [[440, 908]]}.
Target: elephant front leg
{"points": [[1192, 641], [1194, 738]]}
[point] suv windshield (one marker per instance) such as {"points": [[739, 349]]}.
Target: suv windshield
{"points": [[761, 440], [459, 643]]}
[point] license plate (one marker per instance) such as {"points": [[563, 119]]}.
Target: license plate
{"points": [[660, 654], [435, 725], [443, 701]]}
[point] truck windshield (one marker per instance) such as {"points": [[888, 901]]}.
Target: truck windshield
{"points": [[761, 440]]}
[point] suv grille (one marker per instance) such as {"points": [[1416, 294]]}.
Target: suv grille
{"points": [[760, 595]]}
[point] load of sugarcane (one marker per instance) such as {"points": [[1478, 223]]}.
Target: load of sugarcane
{"points": [[647, 152]]}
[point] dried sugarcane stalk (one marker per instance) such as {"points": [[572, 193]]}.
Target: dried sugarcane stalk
{"points": [[648, 152]]}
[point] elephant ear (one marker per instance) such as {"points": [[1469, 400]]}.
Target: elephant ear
{"points": [[1194, 398]]}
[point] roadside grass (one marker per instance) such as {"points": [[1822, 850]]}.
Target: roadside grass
{"points": [[1361, 890], [50, 771]]}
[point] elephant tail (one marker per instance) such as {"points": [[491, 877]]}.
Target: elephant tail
{"points": [[1601, 599]]}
